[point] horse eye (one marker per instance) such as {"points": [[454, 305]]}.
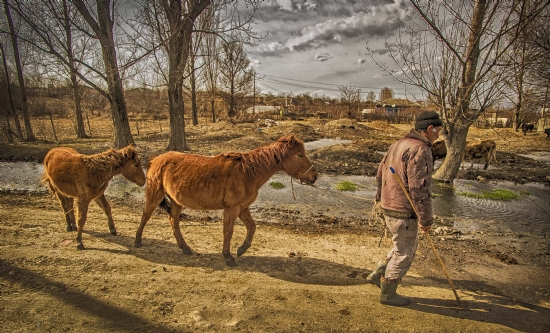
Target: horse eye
{"points": [[300, 155]]}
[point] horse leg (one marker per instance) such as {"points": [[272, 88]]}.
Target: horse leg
{"points": [[229, 218], [153, 197], [82, 212], [175, 211], [250, 224], [67, 205], [102, 202]]}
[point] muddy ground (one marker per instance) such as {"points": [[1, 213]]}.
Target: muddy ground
{"points": [[304, 272]]}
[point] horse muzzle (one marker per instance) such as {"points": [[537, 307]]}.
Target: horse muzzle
{"points": [[309, 178]]}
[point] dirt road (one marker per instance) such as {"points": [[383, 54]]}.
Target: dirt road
{"points": [[289, 281]]}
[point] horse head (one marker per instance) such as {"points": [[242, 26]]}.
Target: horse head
{"points": [[295, 161], [131, 166]]}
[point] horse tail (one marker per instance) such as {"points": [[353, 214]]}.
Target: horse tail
{"points": [[45, 180], [165, 204]]}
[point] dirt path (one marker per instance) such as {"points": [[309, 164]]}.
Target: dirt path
{"points": [[289, 281]]}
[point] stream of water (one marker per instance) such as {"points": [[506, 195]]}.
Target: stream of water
{"points": [[527, 215]]}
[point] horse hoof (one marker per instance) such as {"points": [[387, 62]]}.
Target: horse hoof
{"points": [[80, 247], [136, 244], [113, 232], [187, 251], [231, 263], [242, 249]]}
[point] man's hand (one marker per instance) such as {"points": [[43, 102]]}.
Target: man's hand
{"points": [[423, 228]]}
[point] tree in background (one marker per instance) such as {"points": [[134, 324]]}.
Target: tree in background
{"points": [[351, 98], [386, 93], [172, 23], [234, 74], [19, 68], [50, 31], [101, 21], [456, 58], [523, 86], [7, 99]]}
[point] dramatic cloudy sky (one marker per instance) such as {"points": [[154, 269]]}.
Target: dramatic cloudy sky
{"points": [[315, 45]]}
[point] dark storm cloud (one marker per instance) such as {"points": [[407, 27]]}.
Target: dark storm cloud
{"points": [[318, 29]]}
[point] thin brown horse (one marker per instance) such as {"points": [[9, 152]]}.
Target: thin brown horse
{"points": [[228, 181], [70, 175]]}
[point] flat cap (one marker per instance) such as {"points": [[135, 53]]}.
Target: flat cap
{"points": [[427, 118]]}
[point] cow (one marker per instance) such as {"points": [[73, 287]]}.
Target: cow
{"points": [[439, 150], [527, 128], [486, 149], [547, 132]]}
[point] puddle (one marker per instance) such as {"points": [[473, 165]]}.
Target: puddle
{"points": [[541, 156], [324, 143]]}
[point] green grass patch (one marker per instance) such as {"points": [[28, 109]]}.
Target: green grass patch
{"points": [[496, 194], [346, 186], [277, 185]]}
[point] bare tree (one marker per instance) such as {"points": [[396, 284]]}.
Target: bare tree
{"points": [[19, 67], [210, 48], [172, 24], [455, 59], [235, 75], [9, 106], [522, 87], [101, 22], [371, 96], [50, 31], [386, 93], [350, 97]]}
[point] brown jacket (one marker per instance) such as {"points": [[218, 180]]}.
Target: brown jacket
{"points": [[411, 158]]}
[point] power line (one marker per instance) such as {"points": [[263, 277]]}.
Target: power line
{"points": [[274, 80]]}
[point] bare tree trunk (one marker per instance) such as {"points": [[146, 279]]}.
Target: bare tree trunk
{"points": [[177, 123], [212, 103], [24, 104], [457, 129], [179, 46], [80, 129], [194, 111], [11, 108], [103, 29]]}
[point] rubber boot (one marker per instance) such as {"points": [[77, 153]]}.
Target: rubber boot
{"points": [[374, 277], [388, 294]]}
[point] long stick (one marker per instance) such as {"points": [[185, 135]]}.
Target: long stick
{"points": [[427, 234]]}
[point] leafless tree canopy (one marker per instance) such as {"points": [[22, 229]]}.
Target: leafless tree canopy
{"points": [[456, 56]]}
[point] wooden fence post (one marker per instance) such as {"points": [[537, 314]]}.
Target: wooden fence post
{"points": [[53, 127], [89, 128]]}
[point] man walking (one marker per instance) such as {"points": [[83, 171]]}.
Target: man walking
{"points": [[411, 157]]}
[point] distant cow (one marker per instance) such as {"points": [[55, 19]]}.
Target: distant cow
{"points": [[486, 149], [527, 128], [439, 150], [547, 132]]}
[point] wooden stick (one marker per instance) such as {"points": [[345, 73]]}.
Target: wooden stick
{"points": [[426, 233]]}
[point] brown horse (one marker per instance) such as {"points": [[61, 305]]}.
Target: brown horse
{"points": [[70, 175], [228, 181]]}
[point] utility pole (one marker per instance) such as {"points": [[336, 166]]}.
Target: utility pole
{"points": [[254, 97]]}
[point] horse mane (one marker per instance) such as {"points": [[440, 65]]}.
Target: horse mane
{"points": [[265, 157], [106, 159]]}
